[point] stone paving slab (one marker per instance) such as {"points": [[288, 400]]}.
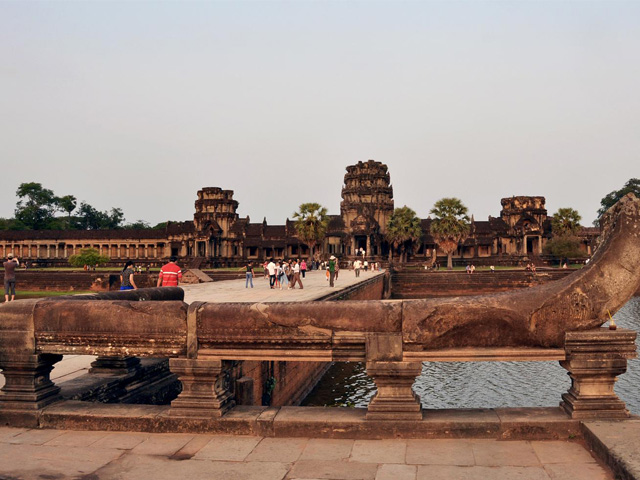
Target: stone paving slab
{"points": [[142, 456], [315, 286], [618, 443]]}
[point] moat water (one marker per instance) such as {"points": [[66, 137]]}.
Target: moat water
{"points": [[480, 384]]}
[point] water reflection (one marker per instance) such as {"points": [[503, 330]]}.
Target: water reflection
{"points": [[479, 384]]}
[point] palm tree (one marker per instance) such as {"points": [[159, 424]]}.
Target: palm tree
{"points": [[450, 227], [566, 222], [311, 224], [68, 204], [402, 230]]}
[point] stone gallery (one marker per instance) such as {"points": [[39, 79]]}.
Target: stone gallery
{"points": [[217, 236]]}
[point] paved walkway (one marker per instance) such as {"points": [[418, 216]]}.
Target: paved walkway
{"points": [[315, 286], [59, 454]]}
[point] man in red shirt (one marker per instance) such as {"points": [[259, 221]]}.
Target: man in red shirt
{"points": [[170, 274]]}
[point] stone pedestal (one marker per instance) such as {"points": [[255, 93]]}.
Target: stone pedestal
{"points": [[205, 391], [395, 399], [114, 365], [27, 389], [594, 359]]}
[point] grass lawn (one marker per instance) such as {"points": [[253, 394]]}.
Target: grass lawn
{"points": [[22, 294]]}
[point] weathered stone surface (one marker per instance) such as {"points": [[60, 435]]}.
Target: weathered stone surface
{"points": [[205, 391], [379, 451], [617, 444], [594, 359], [294, 324], [395, 399], [449, 472], [17, 329], [28, 388], [538, 316], [140, 294], [111, 328]]}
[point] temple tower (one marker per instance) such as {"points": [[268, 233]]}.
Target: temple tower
{"points": [[525, 217], [367, 205], [215, 214]]}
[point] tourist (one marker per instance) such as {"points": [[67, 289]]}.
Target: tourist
{"points": [[493, 269], [170, 273], [303, 268], [271, 268], [337, 268], [472, 269], [282, 274], [10, 277], [366, 265], [468, 268], [296, 275], [250, 273], [266, 270], [126, 277], [331, 269], [356, 268]]}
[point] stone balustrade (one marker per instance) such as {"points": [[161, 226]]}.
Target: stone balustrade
{"points": [[201, 337]]}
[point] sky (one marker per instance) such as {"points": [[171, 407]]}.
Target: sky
{"points": [[138, 105]]}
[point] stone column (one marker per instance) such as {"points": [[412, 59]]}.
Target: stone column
{"points": [[28, 388], [594, 358], [369, 246], [395, 399], [205, 391]]}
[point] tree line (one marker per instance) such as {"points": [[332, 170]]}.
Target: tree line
{"points": [[38, 208], [451, 226]]}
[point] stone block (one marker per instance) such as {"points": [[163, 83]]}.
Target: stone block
{"points": [[395, 398], [205, 389], [594, 359]]}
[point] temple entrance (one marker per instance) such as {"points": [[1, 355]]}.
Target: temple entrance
{"points": [[361, 242], [533, 245], [202, 249]]}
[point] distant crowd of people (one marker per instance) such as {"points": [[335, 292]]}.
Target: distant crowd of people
{"points": [[290, 273]]}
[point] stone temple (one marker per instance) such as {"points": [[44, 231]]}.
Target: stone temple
{"points": [[217, 236]]}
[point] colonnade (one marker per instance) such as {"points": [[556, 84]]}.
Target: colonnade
{"points": [[62, 250]]}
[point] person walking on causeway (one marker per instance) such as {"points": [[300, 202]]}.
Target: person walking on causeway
{"points": [[170, 274], [126, 277]]}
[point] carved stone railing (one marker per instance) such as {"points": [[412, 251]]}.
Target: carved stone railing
{"points": [[200, 337]]}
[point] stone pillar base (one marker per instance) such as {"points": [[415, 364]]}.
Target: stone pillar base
{"points": [[28, 388], [594, 359], [395, 399], [114, 365], [204, 388]]}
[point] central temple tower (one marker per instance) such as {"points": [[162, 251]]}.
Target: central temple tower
{"points": [[367, 205]]}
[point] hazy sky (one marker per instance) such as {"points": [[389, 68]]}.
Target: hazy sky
{"points": [[138, 105]]}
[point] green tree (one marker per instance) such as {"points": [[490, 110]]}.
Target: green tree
{"points": [[89, 218], [450, 226], [68, 204], [566, 222], [632, 186], [88, 256], [36, 207], [139, 225], [311, 224], [403, 229], [567, 246]]}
